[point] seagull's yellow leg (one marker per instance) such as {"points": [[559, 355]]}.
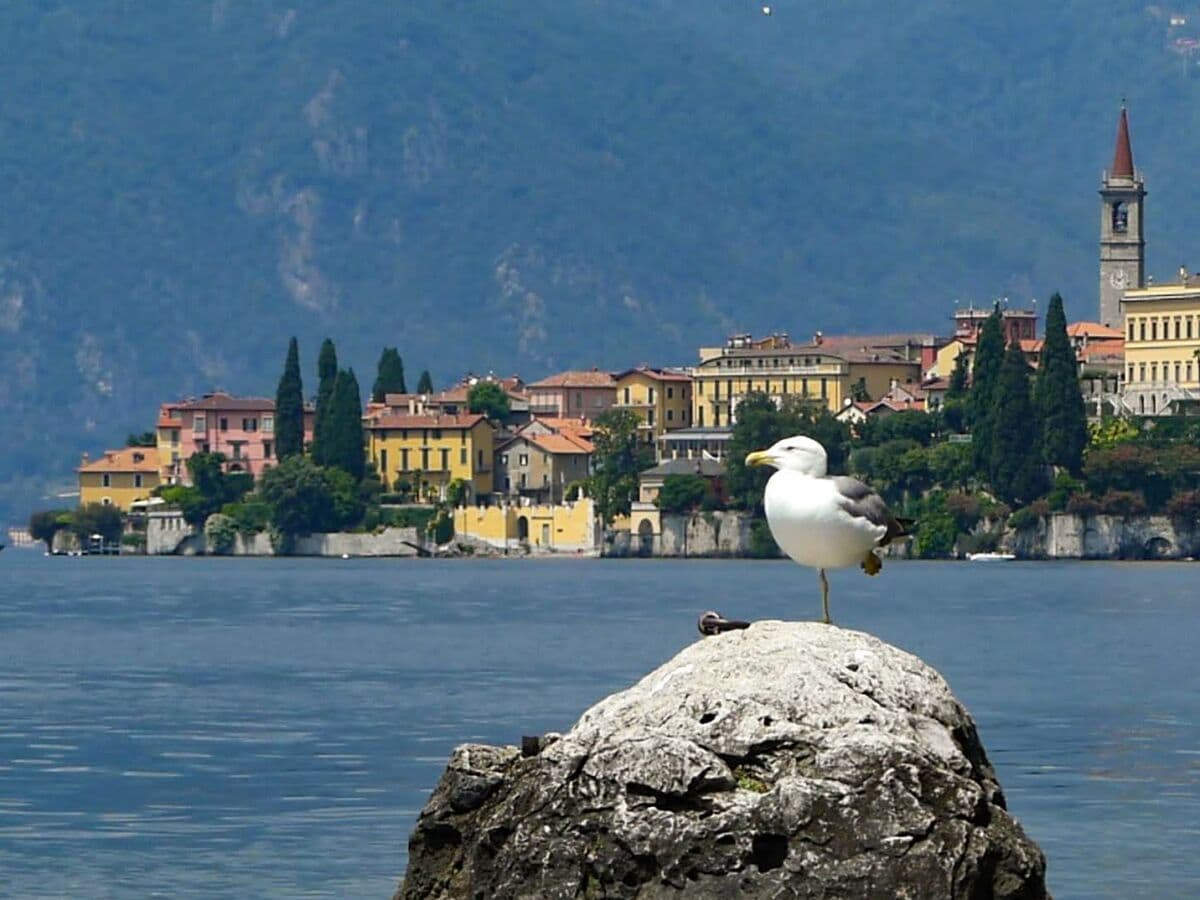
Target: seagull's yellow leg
{"points": [[871, 563], [825, 597]]}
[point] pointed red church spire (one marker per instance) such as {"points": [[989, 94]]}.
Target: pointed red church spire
{"points": [[1122, 165]]}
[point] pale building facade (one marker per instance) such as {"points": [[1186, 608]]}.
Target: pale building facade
{"points": [[1162, 347]]}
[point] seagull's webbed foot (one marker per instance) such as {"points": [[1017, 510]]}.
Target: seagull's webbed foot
{"points": [[871, 563], [824, 597]]}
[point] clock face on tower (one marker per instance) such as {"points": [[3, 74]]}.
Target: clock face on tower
{"points": [[1119, 279]]}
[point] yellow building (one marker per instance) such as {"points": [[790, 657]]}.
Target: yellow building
{"points": [[661, 398], [430, 451], [1162, 347], [826, 373], [119, 477], [562, 528]]}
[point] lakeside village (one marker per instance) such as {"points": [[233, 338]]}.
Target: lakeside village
{"points": [[1083, 441]]}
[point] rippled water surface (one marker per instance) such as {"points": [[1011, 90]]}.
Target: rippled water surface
{"points": [[237, 728]]}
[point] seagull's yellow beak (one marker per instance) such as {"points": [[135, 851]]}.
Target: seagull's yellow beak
{"points": [[758, 458]]}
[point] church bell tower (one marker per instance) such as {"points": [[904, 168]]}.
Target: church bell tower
{"points": [[1122, 242]]}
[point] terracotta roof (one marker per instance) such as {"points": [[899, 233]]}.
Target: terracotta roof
{"points": [[1101, 349], [558, 443], [1094, 331], [593, 378], [582, 427], [936, 384], [426, 421], [223, 401], [125, 460], [1029, 345], [1122, 164], [656, 374]]}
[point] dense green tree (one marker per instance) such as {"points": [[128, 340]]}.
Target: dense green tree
{"points": [[1062, 417], [681, 493], [299, 495], [103, 519], [327, 372], [343, 435], [488, 398], [618, 458], [989, 356], [145, 439], [908, 424], [44, 525], [1015, 465], [211, 488], [389, 375], [289, 407], [760, 423], [425, 383]]}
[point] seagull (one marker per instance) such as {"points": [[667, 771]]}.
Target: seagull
{"points": [[714, 623], [823, 521]]}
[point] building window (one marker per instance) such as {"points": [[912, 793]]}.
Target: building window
{"points": [[1141, 371], [224, 424], [199, 424], [436, 435], [105, 480], [670, 392], [503, 458], [462, 456], [578, 400], [137, 480], [404, 460], [479, 459], [1131, 329], [1141, 329], [268, 424], [626, 396], [670, 415], [521, 480], [523, 459], [1178, 328], [174, 437], [700, 419], [268, 449], [249, 424], [1177, 367], [650, 394], [1131, 373], [650, 417], [424, 459], [1189, 328], [445, 459], [1154, 371], [1188, 370]]}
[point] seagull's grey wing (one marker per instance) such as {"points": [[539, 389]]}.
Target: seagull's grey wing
{"points": [[863, 502]]}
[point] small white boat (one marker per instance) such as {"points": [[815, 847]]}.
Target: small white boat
{"points": [[991, 557]]}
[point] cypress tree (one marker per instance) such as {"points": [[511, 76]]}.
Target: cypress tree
{"points": [[989, 356], [1061, 413], [344, 431], [289, 407], [389, 375], [1015, 465], [425, 383], [327, 372]]}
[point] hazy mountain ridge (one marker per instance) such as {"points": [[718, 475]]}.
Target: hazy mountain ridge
{"points": [[528, 185]]}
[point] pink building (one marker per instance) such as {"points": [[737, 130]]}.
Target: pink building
{"points": [[573, 395], [242, 428]]}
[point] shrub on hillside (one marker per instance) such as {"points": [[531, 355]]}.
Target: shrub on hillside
{"points": [[1028, 516], [1185, 505], [219, 533], [1083, 504], [1123, 503]]}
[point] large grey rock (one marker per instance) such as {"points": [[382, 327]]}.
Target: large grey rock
{"points": [[788, 760]]}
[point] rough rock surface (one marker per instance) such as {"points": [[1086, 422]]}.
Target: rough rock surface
{"points": [[788, 760]]}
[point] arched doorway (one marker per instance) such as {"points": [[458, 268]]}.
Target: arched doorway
{"points": [[645, 538], [523, 532]]}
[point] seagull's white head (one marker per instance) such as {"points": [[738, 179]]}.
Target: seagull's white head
{"points": [[796, 454]]}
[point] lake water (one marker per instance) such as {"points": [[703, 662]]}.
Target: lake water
{"points": [[237, 728]]}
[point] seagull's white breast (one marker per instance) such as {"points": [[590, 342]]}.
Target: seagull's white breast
{"points": [[809, 524]]}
